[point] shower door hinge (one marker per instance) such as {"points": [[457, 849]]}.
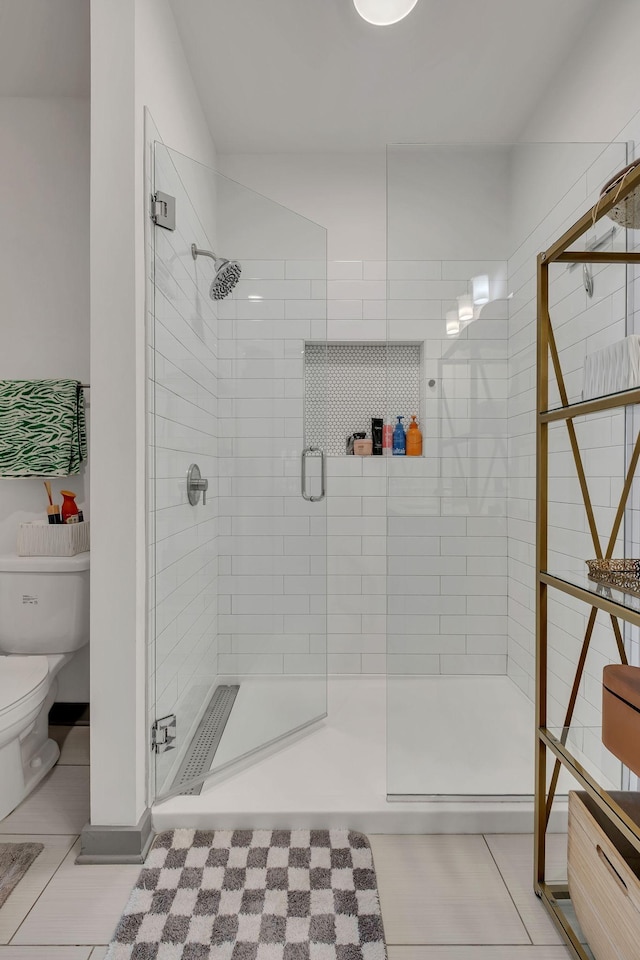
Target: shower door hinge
{"points": [[163, 734], [163, 210]]}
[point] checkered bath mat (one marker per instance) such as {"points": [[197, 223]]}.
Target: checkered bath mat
{"points": [[254, 895]]}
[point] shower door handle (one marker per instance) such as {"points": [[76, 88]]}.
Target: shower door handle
{"points": [[303, 474]]}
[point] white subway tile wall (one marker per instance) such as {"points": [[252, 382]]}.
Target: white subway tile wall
{"points": [[272, 582], [581, 324], [447, 587], [430, 531]]}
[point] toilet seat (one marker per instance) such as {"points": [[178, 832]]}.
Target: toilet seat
{"points": [[24, 682]]}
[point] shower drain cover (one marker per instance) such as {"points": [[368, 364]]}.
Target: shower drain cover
{"points": [[206, 740]]}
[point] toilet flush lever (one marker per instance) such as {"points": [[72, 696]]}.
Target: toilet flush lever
{"points": [[196, 485]]}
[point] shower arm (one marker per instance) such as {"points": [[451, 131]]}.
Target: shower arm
{"points": [[196, 252]]}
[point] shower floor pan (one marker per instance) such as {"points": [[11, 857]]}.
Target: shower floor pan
{"points": [[334, 774]]}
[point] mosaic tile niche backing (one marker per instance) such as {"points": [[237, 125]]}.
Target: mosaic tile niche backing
{"points": [[348, 384]]}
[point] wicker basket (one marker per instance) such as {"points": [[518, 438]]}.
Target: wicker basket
{"points": [[622, 574], [53, 540], [627, 212]]}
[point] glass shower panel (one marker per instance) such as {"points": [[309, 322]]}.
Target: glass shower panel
{"points": [[272, 560], [240, 575], [465, 223]]}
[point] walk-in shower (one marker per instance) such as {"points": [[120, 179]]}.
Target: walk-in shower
{"points": [[411, 581]]}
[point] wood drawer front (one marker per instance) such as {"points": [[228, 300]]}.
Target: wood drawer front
{"points": [[604, 888]]}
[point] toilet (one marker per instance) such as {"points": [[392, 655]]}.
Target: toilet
{"points": [[44, 619]]}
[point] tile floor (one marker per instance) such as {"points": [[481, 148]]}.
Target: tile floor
{"points": [[443, 897]]}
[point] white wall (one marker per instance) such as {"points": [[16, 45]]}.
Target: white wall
{"points": [[595, 93], [44, 278], [447, 202], [165, 86], [581, 324], [346, 193], [448, 209], [137, 61]]}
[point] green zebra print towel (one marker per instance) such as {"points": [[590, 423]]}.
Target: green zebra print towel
{"points": [[42, 428]]}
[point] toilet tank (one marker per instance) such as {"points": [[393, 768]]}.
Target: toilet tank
{"points": [[44, 604]]}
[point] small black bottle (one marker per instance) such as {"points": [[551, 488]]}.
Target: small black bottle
{"points": [[376, 434]]}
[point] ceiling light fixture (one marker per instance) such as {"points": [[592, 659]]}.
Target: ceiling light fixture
{"points": [[382, 13], [480, 288], [465, 309], [453, 324]]}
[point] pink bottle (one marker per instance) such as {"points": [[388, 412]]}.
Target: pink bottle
{"points": [[387, 440]]}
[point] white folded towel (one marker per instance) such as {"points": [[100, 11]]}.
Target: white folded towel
{"points": [[614, 368]]}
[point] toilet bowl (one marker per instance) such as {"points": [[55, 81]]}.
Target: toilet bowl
{"points": [[44, 619]]}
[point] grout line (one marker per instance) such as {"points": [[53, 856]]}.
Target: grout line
{"points": [[471, 946], [526, 929], [375, 872]]}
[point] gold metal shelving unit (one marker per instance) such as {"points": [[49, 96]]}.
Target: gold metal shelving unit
{"points": [[625, 608]]}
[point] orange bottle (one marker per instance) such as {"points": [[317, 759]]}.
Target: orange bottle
{"points": [[414, 439], [69, 508]]}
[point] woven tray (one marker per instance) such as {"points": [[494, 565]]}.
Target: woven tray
{"points": [[53, 540], [623, 574]]}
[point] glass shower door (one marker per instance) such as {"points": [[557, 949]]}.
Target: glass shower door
{"points": [[239, 592]]}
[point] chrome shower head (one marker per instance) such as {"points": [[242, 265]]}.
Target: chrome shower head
{"points": [[227, 273]]}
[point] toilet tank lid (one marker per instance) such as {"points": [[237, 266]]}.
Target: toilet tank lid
{"points": [[10, 563]]}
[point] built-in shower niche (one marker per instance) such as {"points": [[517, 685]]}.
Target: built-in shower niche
{"points": [[346, 384]]}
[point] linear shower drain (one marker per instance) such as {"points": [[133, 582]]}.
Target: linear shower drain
{"points": [[206, 740]]}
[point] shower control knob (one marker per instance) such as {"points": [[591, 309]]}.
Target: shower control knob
{"points": [[196, 485]]}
